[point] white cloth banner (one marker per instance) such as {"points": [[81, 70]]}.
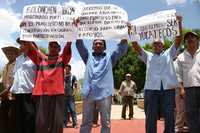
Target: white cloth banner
{"points": [[159, 25], [48, 22], [55, 22], [103, 21]]}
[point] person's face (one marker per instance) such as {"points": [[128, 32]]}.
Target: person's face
{"points": [[98, 47], [128, 78], [192, 41], [24, 47], [11, 55], [67, 70], [157, 47], [53, 49]]}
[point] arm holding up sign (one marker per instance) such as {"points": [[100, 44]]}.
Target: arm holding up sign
{"points": [[174, 48], [82, 50], [179, 38], [120, 51], [139, 50]]}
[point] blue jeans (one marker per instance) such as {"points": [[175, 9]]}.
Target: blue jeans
{"points": [[154, 100], [104, 107], [192, 104], [70, 107]]}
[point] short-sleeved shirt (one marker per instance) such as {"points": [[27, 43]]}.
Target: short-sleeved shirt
{"points": [[50, 72], [24, 75], [128, 88], [70, 80], [160, 69]]}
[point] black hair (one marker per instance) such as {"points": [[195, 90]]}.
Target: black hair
{"points": [[69, 66], [104, 42]]}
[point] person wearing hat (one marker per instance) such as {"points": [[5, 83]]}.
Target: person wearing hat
{"points": [[188, 68], [7, 109], [160, 83], [24, 79], [127, 89], [48, 90], [181, 124], [98, 86]]}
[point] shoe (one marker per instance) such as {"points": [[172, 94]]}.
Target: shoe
{"points": [[123, 118], [75, 126], [64, 125], [95, 125], [130, 118], [181, 130], [185, 129]]}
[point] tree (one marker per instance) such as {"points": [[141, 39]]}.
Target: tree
{"points": [[129, 63]]}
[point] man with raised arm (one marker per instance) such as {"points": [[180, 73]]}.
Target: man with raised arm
{"points": [[160, 82], [98, 86], [49, 85]]}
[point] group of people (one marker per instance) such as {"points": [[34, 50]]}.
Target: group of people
{"points": [[39, 82], [167, 71]]}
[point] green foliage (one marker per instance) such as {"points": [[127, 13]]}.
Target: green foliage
{"points": [[78, 95], [130, 63], [43, 50]]}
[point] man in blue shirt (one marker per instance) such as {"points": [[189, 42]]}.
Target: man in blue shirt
{"points": [[160, 82], [98, 86]]}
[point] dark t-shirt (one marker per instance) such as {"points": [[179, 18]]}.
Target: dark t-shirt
{"points": [[69, 83]]}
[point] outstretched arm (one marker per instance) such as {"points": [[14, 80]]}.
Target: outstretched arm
{"points": [[82, 50], [137, 47], [67, 53], [34, 53], [179, 38], [142, 54], [120, 51]]}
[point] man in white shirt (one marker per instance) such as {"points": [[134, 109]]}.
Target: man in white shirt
{"points": [[24, 77], [160, 82], [188, 74], [127, 90]]}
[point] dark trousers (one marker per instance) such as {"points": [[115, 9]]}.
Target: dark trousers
{"points": [[192, 103], [127, 101], [25, 113], [155, 100], [7, 116], [96, 114], [70, 109], [49, 114]]}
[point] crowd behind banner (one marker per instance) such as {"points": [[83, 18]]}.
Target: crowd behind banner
{"points": [[39, 88]]}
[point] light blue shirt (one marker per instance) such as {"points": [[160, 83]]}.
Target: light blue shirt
{"points": [[160, 68], [98, 81], [24, 75]]}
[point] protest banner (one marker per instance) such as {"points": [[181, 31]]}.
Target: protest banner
{"points": [[102, 21], [55, 22], [48, 22], [158, 25]]}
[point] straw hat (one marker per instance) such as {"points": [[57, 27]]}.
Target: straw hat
{"points": [[192, 33], [10, 49], [128, 75]]}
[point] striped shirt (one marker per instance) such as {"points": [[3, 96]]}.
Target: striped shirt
{"points": [[50, 72]]}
